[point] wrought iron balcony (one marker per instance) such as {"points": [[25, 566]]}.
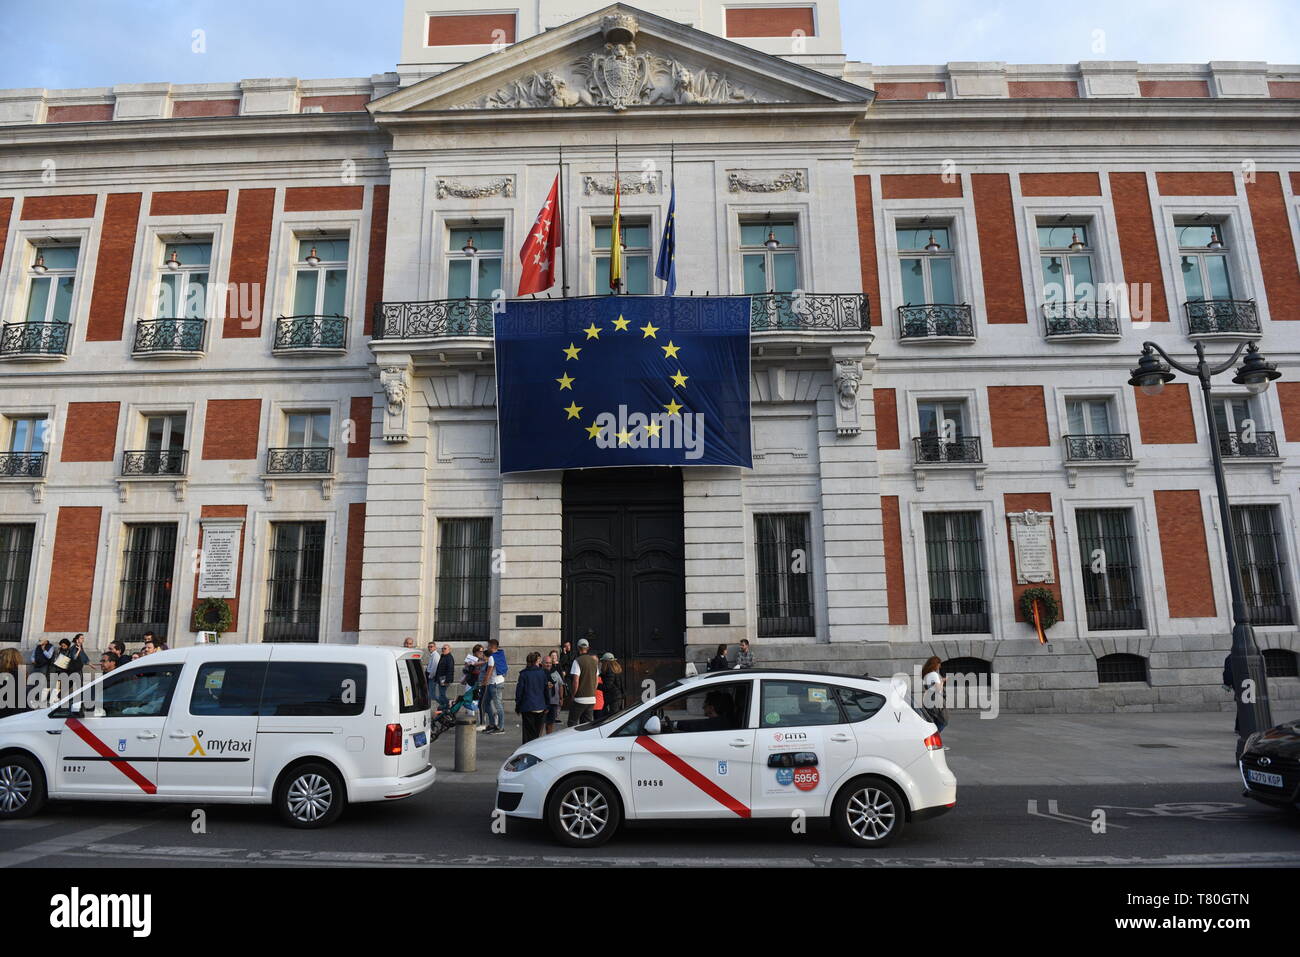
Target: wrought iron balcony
{"points": [[36, 339], [1098, 448], [22, 464], [935, 320], [436, 319], [1222, 316], [932, 450], [299, 461], [155, 462], [307, 333], [168, 336], [1085, 318], [809, 312], [1233, 446]]}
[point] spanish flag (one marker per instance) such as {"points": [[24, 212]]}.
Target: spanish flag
{"points": [[616, 238]]}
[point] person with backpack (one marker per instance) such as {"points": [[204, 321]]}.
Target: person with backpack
{"points": [[443, 675], [493, 678]]}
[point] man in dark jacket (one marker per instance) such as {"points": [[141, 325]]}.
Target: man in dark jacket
{"points": [[443, 675], [530, 697]]}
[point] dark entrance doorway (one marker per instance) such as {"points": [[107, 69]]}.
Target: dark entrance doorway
{"points": [[624, 569]]}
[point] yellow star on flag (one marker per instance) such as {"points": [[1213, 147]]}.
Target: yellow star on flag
{"points": [[593, 431], [649, 331], [670, 350], [566, 381], [571, 352], [623, 437], [674, 407], [654, 428], [592, 331], [679, 380], [620, 324], [573, 410]]}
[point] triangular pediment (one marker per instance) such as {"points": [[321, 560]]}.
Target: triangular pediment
{"points": [[621, 58]]}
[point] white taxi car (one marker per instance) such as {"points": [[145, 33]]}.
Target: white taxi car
{"points": [[740, 745], [306, 728]]}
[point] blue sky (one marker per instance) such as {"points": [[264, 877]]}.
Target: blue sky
{"points": [[103, 42]]}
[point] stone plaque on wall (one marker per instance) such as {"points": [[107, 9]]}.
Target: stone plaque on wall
{"points": [[219, 560], [1031, 539]]}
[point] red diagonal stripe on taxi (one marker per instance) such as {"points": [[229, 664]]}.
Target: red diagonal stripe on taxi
{"points": [[692, 775], [104, 751]]}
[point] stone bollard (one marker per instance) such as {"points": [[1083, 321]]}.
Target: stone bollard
{"points": [[466, 741]]}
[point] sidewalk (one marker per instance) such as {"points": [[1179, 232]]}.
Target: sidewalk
{"points": [[1015, 749]]}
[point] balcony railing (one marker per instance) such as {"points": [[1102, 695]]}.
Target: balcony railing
{"points": [[933, 320], [931, 449], [300, 461], [35, 339], [155, 462], [1226, 316], [304, 333], [1233, 446], [769, 312], [1086, 318], [22, 464], [161, 336], [1098, 448]]}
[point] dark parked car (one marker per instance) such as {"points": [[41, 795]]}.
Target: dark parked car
{"points": [[1270, 765]]}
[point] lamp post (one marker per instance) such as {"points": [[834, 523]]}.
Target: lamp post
{"points": [[1150, 375]]}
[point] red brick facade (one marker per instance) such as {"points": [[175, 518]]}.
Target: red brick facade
{"points": [[232, 428], [254, 213], [770, 22], [867, 245], [79, 113], [1043, 89], [378, 248], [470, 29], [1196, 184], [920, 186], [1166, 419], [1273, 241], [1004, 293], [886, 404], [1188, 584], [80, 206], [895, 579], [361, 413], [6, 211], [298, 199], [1164, 88], [113, 269], [352, 566], [1137, 243], [182, 109], [192, 202], [344, 103], [72, 569], [1288, 395], [90, 432], [1019, 416], [908, 91], [1060, 184]]}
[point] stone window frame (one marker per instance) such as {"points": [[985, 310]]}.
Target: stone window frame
{"points": [[997, 567], [1142, 515]]}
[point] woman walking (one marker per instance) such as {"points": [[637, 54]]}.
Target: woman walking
{"points": [[932, 692], [611, 676]]}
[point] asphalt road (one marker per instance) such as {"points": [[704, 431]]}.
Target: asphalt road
{"points": [[1188, 824]]}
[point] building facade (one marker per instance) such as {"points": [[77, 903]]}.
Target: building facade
{"points": [[247, 356]]}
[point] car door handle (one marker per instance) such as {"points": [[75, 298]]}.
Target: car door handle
{"points": [[740, 744], [840, 738], [146, 735], [178, 734]]}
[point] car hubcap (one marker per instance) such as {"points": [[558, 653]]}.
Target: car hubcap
{"points": [[15, 788], [584, 813], [871, 814], [310, 796]]}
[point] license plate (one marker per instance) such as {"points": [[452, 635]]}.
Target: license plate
{"points": [[1263, 777], [420, 739]]}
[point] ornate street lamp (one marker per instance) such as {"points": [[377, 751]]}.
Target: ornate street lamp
{"points": [[1249, 685]]}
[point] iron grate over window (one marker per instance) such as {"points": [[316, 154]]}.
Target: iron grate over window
{"points": [[1261, 562], [15, 569], [1119, 668], [781, 545], [954, 550], [1280, 663], [464, 611], [1109, 567], [294, 588], [145, 595], [966, 665]]}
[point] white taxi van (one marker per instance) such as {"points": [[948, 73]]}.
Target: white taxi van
{"points": [[740, 745], [306, 728]]}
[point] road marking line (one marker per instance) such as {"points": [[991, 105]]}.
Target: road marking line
{"points": [[68, 843]]}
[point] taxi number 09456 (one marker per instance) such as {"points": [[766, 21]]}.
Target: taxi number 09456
{"points": [[649, 782]]}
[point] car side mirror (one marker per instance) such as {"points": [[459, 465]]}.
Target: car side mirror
{"points": [[651, 725]]}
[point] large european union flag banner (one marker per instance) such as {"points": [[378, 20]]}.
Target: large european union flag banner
{"points": [[623, 380]]}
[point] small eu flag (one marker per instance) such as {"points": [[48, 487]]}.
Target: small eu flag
{"points": [[666, 267]]}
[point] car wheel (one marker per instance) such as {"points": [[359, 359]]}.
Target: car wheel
{"points": [[311, 795], [583, 812], [868, 812], [22, 787]]}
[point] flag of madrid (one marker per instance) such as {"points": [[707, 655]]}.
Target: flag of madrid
{"points": [[538, 253]]}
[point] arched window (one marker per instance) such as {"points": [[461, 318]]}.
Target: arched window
{"points": [[1280, 663], [1112, 669]]}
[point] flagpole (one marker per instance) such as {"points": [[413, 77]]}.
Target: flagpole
{"points": [[616, 239], [564, 245]]}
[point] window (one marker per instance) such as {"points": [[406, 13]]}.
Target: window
{"points": [[943, 437], [714, 706], [315, 689], [15, 570], [307, 447], [476, 275], [464, 579], [1089, 416], [1066, 258], [1091, 432], [781, 546], [636, 257], [1204, 262], [25, 447], [954, 549], [1237, 422], [1108, 559], [413, 686], [294, 588], [1120, 668], [320, 288], [145, 593], [798, 704], [979, 668], [769, 256], [859, 705], [1280, 663], [307, 430], [228, 688], [183, 281], [54, 276], [144, 692], [926, 265], [1261, 563], [164, 447]]}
